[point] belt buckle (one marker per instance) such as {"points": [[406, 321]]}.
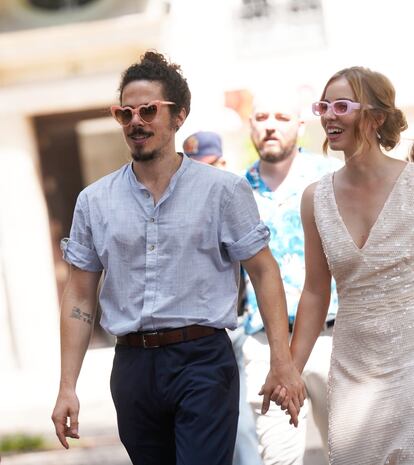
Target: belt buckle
{"points": [[144, 343]]}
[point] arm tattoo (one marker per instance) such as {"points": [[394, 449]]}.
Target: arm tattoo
{"points": [[82, 316]]}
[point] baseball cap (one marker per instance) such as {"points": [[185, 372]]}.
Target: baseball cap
{"points": [[204, 146]]}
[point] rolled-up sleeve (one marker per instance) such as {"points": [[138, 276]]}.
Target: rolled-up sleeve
{"points": [[78, 249], [243, 234]]}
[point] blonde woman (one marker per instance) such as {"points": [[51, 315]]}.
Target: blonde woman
{"points": [[359, 228]]}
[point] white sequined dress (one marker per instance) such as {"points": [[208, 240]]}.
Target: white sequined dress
{"points": [[371, 382]]}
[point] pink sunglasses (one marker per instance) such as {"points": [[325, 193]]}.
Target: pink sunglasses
{"points": [[147, 112], [338, 107]]}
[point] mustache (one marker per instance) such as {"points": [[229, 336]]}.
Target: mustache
{"points": [[138, 132], [271, 137]]}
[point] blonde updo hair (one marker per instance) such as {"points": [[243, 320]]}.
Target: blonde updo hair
{"points": [[375, 89]]}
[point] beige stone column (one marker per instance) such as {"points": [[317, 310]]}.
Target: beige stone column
{"points": [[28, 298]]}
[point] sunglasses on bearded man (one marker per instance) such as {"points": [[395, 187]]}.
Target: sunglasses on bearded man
{"points": [[147, 112]]}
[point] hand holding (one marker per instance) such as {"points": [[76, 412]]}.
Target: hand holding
{"points": [[285, 387]]}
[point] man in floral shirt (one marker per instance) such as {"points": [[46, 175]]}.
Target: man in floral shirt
{"points": [[278, 180]]}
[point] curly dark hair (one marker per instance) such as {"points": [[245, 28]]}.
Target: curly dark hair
{"points": [[153, 66]]}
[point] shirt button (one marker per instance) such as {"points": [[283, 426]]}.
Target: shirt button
{"points": [[152, 220], [152, 247], [147, 195]]}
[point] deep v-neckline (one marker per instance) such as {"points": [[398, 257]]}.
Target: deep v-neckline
{"points": [[379, 216]]}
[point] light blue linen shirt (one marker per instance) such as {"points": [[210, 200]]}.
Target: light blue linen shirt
{"points": [[172, 264]]}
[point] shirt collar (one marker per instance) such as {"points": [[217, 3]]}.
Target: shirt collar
{"points": [[254, 178], [174, 178], [296, 170]]}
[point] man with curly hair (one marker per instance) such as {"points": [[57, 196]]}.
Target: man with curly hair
{"points": [[169, 234]]}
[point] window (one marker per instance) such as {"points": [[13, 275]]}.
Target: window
{"points": [[59, 5]]}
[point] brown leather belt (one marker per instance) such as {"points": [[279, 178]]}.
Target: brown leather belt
{"points": [[153, 339]]}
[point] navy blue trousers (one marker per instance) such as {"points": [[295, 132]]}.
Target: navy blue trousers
{"points": [[177, 404]]}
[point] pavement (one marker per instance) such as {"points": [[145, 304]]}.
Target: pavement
{"points": [[28, 398], [107, 451], [102, 454]]}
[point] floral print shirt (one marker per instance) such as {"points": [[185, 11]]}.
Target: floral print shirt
{"points": [[280, 211]]}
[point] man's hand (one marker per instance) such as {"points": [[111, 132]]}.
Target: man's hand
{"points": [[285, 387], [67, 406]]}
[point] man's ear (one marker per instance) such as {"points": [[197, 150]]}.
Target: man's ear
{"points": [[301, 127], [180, 118], [220, 163]]}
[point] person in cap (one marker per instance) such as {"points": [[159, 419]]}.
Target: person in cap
{"points": [[206, 147]]}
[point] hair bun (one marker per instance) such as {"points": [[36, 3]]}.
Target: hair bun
{"points": [[395, 122]]}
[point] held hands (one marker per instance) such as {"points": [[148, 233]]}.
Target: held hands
{"points": [[67, 406], [285, 387]]}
